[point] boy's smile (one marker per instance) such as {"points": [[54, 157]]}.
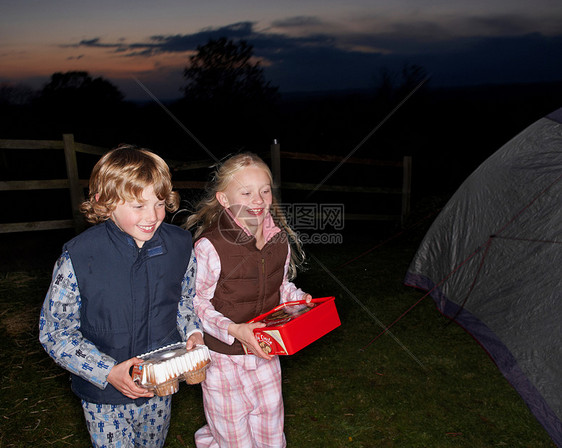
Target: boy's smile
{"points": [[140, 219]]}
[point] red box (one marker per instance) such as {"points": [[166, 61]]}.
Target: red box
{"points": [[292, 326]]}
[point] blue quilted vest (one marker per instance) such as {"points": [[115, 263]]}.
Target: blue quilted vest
{"points": [[129, 295]]}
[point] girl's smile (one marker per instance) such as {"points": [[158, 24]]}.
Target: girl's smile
{"points": [[255, 211]]}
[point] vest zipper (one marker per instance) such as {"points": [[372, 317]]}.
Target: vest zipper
{"points": [[261, 302], [134, 300]]}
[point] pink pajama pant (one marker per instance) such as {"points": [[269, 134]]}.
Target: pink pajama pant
{"points": [[243, 403]]}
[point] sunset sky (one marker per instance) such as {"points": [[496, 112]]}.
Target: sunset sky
{"points": [[303, 45]]}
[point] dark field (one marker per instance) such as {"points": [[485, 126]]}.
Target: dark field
{"points": [[424, 384]]}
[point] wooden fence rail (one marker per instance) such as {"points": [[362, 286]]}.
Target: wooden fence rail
{"points": [[76, 186], [72, 182], [404, 192]]}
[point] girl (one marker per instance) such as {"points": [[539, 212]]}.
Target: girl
{"points": [[244, 267]]}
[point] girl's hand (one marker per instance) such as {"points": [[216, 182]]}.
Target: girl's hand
{"points": [[307, 298], [120, 378], [194, 339], [245, 334]]}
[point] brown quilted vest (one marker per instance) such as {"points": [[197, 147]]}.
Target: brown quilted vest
{"points": [[250, 278]]}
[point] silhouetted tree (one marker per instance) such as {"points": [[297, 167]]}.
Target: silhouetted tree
{"points": [[224, 72], [16, 94], [226, 89], [396, 86], [74, 102], [79, 86], [15, 110]]}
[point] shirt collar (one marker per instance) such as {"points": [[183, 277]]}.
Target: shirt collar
{"points": [[154, 246], [269, 228]]}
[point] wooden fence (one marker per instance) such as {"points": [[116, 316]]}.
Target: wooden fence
{"points": [[404, 193], [76, 186], [72, 182]]}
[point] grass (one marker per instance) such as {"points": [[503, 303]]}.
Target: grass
{"points": [[426, 383]]}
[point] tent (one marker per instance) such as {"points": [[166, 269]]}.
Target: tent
{"points": [[492, 261]]}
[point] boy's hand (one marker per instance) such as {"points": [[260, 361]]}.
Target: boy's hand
{"points": [[120, 378], [194, 339], [245, 334]]}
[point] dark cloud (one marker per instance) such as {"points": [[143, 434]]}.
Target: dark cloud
{"points": [[177, 43], [298, 21], [174, 43], [331, 60], [517, 59], [509, 24], [506, 25], [461, 61], [93, 43], [187, 42]]}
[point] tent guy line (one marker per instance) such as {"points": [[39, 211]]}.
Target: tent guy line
{"points": [[529, 240], [512, 220], [367, 310], [512, 203], [487, 244], [425, 295]]}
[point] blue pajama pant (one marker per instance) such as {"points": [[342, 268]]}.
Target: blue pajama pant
{"points": [[129, 425]]}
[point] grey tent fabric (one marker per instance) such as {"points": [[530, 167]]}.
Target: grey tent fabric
{"points": [[492, 261]]}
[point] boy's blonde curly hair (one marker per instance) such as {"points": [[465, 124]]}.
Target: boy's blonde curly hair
{"points": [[121, 175]]}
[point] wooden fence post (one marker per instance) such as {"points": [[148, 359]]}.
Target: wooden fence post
{"points": [[406, 188], [276, 169], [76, 192]]}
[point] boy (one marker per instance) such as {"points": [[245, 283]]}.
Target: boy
{"points": [[121, 288]]}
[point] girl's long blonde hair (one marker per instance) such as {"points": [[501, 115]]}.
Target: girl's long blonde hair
{"points": [[208, 210]]}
